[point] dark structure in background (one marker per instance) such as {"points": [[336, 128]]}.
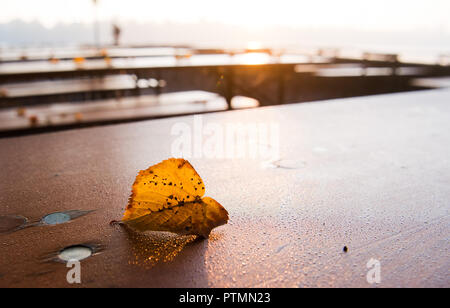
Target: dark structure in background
{"points": [[323, 76]]}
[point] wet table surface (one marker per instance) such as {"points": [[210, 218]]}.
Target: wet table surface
{"points": [[369, 173]]}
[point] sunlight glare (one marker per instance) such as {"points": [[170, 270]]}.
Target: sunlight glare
{"points": [[253, 58]]}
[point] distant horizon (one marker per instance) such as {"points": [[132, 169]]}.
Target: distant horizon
{"points": [[421, 44], [416, 28]]}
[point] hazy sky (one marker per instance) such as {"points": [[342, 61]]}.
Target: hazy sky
{"points": [[354, 14]]}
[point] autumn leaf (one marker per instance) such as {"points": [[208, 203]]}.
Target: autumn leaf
{"points": [[168, 197]]}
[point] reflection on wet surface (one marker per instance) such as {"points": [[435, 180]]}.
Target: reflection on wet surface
{"points": [[151, 248]]}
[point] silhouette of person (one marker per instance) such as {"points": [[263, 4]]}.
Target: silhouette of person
{"points": [[116, 34]]}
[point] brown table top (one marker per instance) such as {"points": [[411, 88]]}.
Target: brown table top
{"points": [[369, 173]]}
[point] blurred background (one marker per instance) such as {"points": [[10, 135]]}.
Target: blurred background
{"points": [[63, 52], [412, 28]]}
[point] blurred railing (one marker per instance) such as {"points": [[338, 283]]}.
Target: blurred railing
{"points": [[271, 76]]}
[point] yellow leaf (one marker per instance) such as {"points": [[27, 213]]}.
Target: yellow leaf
{"points": [[168, 197]]}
